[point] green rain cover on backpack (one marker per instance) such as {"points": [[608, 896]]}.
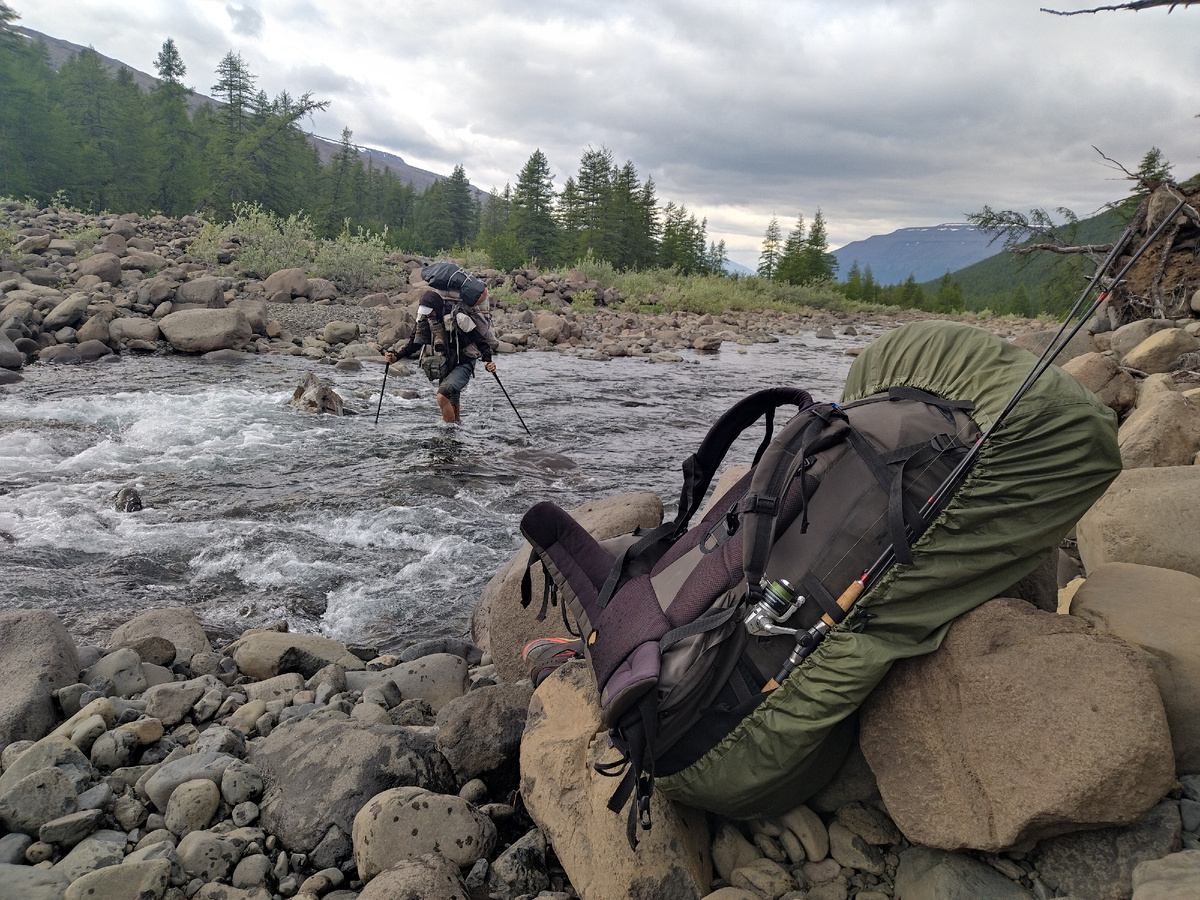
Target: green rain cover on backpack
{"points": [[1052, 457]]}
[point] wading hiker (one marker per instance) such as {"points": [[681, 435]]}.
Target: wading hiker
{"points": [[449, 341]]}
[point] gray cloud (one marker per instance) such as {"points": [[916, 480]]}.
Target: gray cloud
{"points": [[247, 21], [885, 113]]}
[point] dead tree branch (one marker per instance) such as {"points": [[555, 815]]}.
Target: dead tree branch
{"points": [[1136, 6]]}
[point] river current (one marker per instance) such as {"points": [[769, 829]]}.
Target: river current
{"points": [[382, 534]]}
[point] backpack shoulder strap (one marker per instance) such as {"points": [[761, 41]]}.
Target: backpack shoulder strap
{"points": [[701, 466]]}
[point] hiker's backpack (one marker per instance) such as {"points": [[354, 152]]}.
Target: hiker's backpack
{"points": [[663, 615], [448, 276], [458, 319]]}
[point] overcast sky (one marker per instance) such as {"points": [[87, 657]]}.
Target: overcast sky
{"points": [[883, 113]]}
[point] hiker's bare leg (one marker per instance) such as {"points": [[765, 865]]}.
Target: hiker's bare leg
{"points": [[449, 408]]}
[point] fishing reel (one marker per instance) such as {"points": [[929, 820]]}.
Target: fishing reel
{"points": [[778, 603]]}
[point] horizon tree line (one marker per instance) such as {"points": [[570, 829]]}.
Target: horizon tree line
{"points": [[92, 139]]}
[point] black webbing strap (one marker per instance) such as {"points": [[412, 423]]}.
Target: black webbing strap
{"points": [[711, 620], [814, 590], [903, 392], [633, 739]]}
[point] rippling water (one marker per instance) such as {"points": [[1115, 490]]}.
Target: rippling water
{"points": [[383, 534]]}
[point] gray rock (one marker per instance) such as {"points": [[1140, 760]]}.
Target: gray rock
{"points": [[241, 782], [52, 751], [124, 669], [37, 799], [12, 849], [438, 678], [521, 869], [319, 772], [37, 656], [938, 875], [1099, 865], [253, 871], [69, 830], [480, 732], [203, 330], [171, 703], [10, 356], [201, 293], [1145, 517], [169, 776], [66, 313], [853, 852], [105, 266], [467, 650], [1174, 877], [430, 877], [433, 823], [208, 856], [103, 848], [192, 806], [265, 654], [21, 882], [219, 739], [959, 768]]}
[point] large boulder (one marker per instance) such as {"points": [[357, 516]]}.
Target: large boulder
{"points": [[319, 772], [1163, 431], [1128, 336], [1036, 343], [202, 330], [177, 624], [568, 799], [503, 626], [68, 312], [10, 356], [409, 822], [265, 654], [105, 266], [479, 733], [37, 657], [1022, 725], [293, 282], [1147, 517], [1100, 374], [1161, 351], [133, 328], [205, 292], [1157, 610]]}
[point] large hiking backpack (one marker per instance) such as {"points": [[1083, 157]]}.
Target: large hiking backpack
{"points": [[448, 276], [458, 319], [688, 691]]}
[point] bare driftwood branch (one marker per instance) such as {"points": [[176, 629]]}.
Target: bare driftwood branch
{"points": [[1059, 248], [1135, 5]]}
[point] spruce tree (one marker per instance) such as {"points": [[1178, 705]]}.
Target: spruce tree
{"points": [[768, 258], [533, 211], [819, 263], [792, 265]]}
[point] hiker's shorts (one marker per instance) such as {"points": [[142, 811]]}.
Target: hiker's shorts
{"points": [[452, 385]]}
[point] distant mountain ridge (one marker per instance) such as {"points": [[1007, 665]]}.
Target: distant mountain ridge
{"points": [[925, 252], [60, 51]]}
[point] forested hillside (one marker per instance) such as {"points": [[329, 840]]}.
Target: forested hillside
{"points": [[82, 135], [1041, 282]]}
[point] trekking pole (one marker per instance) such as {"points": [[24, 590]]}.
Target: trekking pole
{"points": [[806, 642], [510, 403], [386, 366]]}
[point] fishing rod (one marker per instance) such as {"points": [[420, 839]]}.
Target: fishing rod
{"points": [[807, 641], [386, 366], [510, 403]]}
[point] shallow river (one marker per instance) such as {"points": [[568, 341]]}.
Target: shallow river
{"points": [[380, 534]]}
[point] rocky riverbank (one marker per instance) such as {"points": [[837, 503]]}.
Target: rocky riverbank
{"points": [[162, 765], [136, 290]]}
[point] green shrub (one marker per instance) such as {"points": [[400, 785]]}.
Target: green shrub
{"points": [[354, 260], [265, 242]]}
